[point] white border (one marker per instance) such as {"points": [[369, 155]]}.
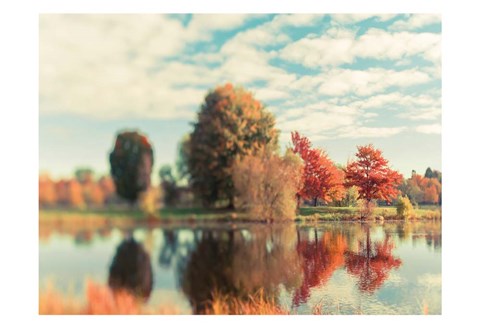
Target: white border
{"points": [[19, 160]]}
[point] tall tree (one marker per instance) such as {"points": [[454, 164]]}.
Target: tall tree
{"points": [[322, 178], [131, 164], [231, 123], [371, 174]]}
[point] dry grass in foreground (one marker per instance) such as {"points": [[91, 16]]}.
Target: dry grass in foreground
{"points": [[100, 300], [255, 304]]}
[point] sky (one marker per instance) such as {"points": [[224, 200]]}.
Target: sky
{"points": [[342, 80]]}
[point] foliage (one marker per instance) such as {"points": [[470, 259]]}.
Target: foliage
{"points": [[405, 208], [107, 186], [322, 179], [231, 123], [168, 183], [183, 154], [93, 193], [372, 176], [147, 201], [423, 190], [350, 199], [433, 174], [131, 164], [84, 174], [46, 191], [266, 185]]}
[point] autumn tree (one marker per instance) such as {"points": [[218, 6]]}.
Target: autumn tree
{"points": [[131, 164], [322, 179], [46, 191], [75, 194], [373, 177], [231, 123], [422, 189], [107, 186], [93, 193], [266, 185]]}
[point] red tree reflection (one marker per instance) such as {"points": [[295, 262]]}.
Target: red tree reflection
{"points": [[320, 258], [372, 263]]}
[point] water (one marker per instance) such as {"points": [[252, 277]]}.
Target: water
{"points": [[345, 268]]}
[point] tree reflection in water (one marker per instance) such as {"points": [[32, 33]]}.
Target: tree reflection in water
{"points": [[240, 263], [372, 262], [320, 258], [131, 270]]}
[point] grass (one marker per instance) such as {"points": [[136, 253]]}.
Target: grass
{"points": [[116, 216], [99, 300], [330, 213], [255, 304], [164, 213]]}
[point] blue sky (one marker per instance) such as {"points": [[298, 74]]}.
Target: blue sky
{"points": [[342, 80]]}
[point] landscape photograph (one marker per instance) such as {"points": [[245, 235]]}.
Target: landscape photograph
{"points": [[240, 164]]}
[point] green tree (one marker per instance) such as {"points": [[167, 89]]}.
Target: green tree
{"points": [[84, 174], [231, 124], [168, 183], [181, 163], [131, 164], [429, 173]]}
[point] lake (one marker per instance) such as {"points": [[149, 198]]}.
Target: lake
{"points": [[346, 268]]}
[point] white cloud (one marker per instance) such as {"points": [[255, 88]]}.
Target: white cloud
{"points": [[111, 66], [429, 129], [266, 94], [412, 107], [416, 21], [340, 46], [338, 82], [202, 25], [370, 132], [355, 18]]}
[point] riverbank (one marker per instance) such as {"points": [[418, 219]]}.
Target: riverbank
{"points": [[102, 217]]}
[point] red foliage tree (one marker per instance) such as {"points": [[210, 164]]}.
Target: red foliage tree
{"points": [[322, 179], [372, 176]]}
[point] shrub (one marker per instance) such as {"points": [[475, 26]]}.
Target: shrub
{"points": [[404, 208], [266, 185], [366, 208]]}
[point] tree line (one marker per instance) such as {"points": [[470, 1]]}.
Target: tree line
{"points": [[232, 159]]}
